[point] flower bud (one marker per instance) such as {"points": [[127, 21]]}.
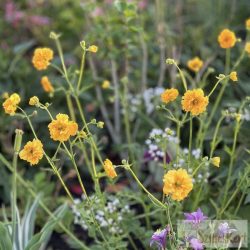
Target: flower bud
{"points": [[170, 61]]}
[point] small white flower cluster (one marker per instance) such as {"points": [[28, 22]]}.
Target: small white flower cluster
{"points": [[155, 137], [109, 217], [149, 96], [201, 177], [134, 102]]}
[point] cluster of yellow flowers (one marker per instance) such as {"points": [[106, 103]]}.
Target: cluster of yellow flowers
{"points": [[193, 101]]}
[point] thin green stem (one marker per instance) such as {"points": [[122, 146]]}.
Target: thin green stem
{"points": [[70, 107], [182, 76], [65, 73], [145, 190], [14, 195], [190, 140], [96, 179], [232, 157], [71, 156], [215, 137], [81, 71]]}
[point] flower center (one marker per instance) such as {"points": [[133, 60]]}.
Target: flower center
{"points": [[195, 102]]}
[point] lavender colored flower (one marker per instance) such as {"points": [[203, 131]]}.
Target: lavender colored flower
{"points": [[224, 229], [39, 20], [195, 217], [159, 238], [196, 244]]}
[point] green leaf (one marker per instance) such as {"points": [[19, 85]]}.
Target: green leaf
{"points": [[42, 237], [5, 241]]}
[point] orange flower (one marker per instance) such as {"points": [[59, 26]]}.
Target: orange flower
{"points": [[233, 76], [32, 152], [194, 101], [195, 64], [61, 128], [46, 84], [169, 95], [227, 39], [247, 48], [177, 184], [10, 104], [248, 24], [109, 169], [42, 57]]}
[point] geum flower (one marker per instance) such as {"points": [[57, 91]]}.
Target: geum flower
{"points": [[226, 39], [195, 64], [32, 152], [62, 128], [194, 101], [42, 57], [10, 104], [109, 169], [159, 238], [47, 85], [177, 184], [169, 95], [195, 217]]}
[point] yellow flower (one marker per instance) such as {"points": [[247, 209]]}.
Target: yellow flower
{"points": [[215, 161], [247, 47], [46, 84], [61, 128], [34, 100], [248, 24], [93, 48], [10, 104], [169, 95], [194, 101], [226, 39], [195, 64], [233, 76], [177, 184], [106, 84], [42, 57], [109, 169], [32, 152]]}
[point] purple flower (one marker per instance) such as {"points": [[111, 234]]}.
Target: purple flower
{"points": [[196, 244], [195, 217], [159, 238], [39, 20], [224, 229]]}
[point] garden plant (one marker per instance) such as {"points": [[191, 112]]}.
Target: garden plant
{"points": [[121, 119]]}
